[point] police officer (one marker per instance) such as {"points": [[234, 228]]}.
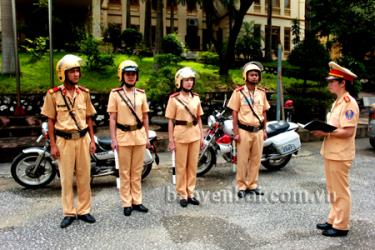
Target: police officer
{"points": [[70, 128], [338, 149], [185, 132], [249, 105], [128, 122]]}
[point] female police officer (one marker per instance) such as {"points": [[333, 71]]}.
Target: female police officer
{"points": [[338, 150], [184, 112], [128, 109]]}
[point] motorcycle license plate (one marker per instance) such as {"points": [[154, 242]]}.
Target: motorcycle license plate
{"points": [[288, 148]]}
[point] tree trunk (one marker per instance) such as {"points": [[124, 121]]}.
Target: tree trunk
{"points": [[227, 57], [7, 35], [307, 17], [159, 27], [171, 21], [268, 54], [128, 17], [147, 30]]}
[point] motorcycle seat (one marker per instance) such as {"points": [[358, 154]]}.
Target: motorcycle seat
{"points": [[277, 128], [105, 142]]}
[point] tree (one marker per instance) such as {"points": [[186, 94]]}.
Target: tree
{"points": [[236, 13], [159, 27], [268, 48], [7, 36], [128, 14], [147, 30], [350, 23]]}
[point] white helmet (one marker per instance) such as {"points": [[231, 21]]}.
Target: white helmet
{"points": [[66, 63], [127, 66], [253, 65], [184, 73]]}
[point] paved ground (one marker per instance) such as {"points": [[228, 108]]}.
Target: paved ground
{"points": [[284, 218]]}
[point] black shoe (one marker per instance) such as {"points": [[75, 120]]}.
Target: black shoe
{"points": [[183, 203], [140, 208], [87, 218], [127, 211], [193, 201], [241, 193], [256, 191], [324, 226], [335, 232], [66, 221]]}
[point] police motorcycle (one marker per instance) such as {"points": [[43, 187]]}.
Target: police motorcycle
{"points": [[282, 142], [34, 167]]}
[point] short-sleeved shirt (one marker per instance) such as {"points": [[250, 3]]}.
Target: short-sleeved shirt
{"points": [[54, 107], [344, 113], [116, 104], [176, 111], [257, 99]]}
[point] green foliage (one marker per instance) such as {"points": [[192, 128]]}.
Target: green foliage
{"points": [[95, 59], [113, 35], [131, 39], [248, 46], [172, 45], [208, 57], [36, 48], [296, 32], [312, 57], [163, 60]]}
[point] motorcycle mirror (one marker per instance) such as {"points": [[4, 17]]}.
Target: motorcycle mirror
{"points": [[225, 100]]}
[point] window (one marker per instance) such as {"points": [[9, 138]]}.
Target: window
{"points": [[191, 6], [134, 2], [275, 7], [275, 37], [287, 7], [257, 32], [286, 39], [257, 5]]}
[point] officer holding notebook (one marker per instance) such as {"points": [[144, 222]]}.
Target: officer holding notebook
{"points": [[338, 149]]}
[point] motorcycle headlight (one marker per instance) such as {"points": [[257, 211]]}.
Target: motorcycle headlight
{"points": [[211, 120]]}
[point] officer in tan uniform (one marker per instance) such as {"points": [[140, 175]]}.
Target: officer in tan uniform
{"points": [[184, 113], [338, 149], [70, 128], [128, 111], [249, 105]]}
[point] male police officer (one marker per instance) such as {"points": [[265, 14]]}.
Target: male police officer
{"points": [[69, 110], [249, 105]]}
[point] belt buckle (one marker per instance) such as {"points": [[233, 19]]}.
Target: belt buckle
{"points": [[132, 127], [255, 129], [75, 135], [189, 124]]}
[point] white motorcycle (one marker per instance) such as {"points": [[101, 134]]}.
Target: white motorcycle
{"points": [[278, 148], [34, 167]]}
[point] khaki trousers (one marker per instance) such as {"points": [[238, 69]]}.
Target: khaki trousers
{"points": [[75, 159], [337, 180], [249, 153], [131, 165], [186, 168]]}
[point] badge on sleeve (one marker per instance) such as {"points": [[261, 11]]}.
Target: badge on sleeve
{"points": [[349, 114]]}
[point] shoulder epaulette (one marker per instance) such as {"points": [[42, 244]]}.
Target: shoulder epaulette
{"points": [[140, 90], [54, 90], [261, 89], [195, 93], [83, 89], [174, 94], [116, 89], [346, 98], [239, 88]]}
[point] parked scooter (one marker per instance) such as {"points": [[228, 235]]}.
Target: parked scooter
{"points": [[278, 148], [35, 167]]}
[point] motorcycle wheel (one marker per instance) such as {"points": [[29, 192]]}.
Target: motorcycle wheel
{"points": [[206, 162], [274, 165], [146, 170], [372, 141], [21, 171]]}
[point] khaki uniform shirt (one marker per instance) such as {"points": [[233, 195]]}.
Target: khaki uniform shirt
{"points": [[344, 113], [55, 108], [117, 105], [258, 100], [176, 111]]}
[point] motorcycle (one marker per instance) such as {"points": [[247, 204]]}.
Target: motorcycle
{"points": [[278, 148], [34, 167]]}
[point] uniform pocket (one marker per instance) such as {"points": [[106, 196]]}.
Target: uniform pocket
{"points": [[62, 111], [81, 111]]}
